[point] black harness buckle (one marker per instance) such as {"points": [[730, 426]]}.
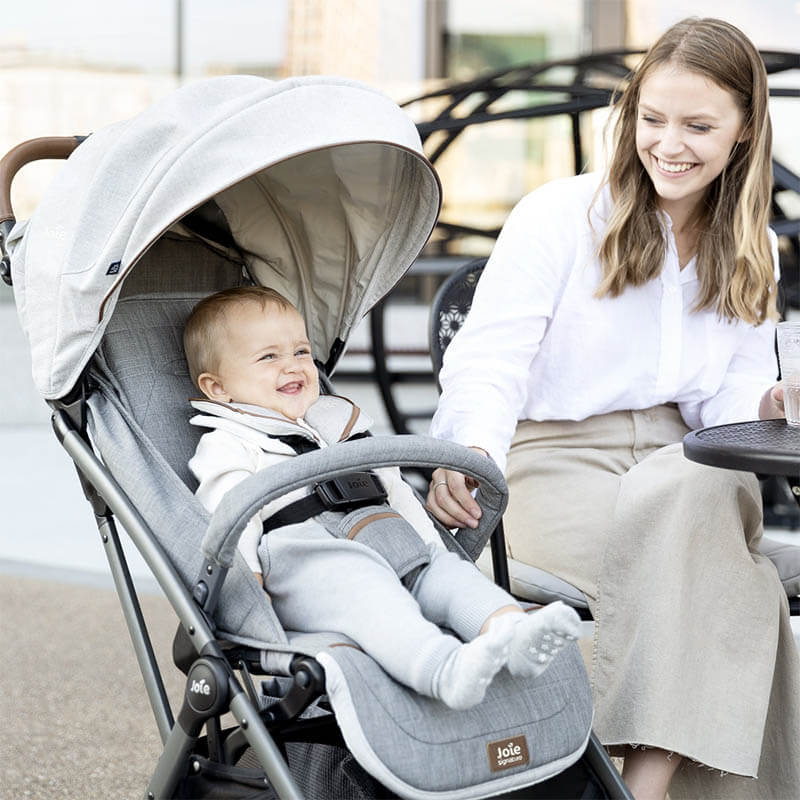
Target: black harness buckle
{"points": [[345, 493], [350, 491]]}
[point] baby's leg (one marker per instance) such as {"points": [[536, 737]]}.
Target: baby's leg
{"points": [[536, 637], [453, 592], [463, 678], [324, 583]]}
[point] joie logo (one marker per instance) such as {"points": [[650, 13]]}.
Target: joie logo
{"points": [[508, 753], [203, 687], [113, 268], [357, 483]]}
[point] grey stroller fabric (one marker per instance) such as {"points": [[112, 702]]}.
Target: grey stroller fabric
{"points": [[533, 728], [321, 191], [333, 237]]}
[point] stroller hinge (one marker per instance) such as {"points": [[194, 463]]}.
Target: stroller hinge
{"points": [[5, 260], [73, 404], [67, 420], [308, 684], [207, 694], [208, 585]]}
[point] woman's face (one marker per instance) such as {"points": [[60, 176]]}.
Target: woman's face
{"points": [[686, 128]]}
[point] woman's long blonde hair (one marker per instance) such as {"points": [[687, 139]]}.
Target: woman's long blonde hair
{"points": [[734, 259]]}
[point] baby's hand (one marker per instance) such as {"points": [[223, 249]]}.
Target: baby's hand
{"points": [[260, 579]]}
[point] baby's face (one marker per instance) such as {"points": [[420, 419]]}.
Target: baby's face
{"points": [[265, 360]]}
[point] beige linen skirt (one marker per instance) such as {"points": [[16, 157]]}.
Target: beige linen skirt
{"points": [[693, 651]]}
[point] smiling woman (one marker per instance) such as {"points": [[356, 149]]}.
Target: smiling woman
{"points": [[617, 312]]}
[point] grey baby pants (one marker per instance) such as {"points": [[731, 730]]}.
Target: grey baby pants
{"points": [[318, 582]]}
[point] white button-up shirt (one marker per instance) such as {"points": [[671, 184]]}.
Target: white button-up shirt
{"points": [[538, 345]]}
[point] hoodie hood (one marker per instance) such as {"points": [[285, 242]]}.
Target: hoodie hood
{"points": [[330, 419]]}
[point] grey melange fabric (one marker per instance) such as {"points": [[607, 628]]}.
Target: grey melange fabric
{"points": [[693, 650]]}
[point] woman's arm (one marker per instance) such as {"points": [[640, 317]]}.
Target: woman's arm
{"points": [[748, 389], [486, 369]]}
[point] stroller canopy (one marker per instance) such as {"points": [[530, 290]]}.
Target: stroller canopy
{"points": [[321, 185]]}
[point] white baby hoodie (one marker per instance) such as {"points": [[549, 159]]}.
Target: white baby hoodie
{"points": [[243, 439]]}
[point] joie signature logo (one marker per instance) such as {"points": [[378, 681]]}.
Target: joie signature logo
{"points": [[200, 687], [508, 753]]}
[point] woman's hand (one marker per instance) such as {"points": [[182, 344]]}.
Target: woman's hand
{"points": [[771, 406], [450, 497]]}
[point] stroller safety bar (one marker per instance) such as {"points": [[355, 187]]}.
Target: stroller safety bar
{"points": [[244, 500]]}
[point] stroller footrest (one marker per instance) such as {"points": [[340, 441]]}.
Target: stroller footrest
{"points": [[523, 732]]}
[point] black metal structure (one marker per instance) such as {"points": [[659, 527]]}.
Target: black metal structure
{"points": [[571, 87]]}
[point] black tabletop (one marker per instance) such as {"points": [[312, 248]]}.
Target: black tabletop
{"points": [[768, 447]]}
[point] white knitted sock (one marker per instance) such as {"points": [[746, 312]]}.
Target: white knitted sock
{"points": [[462, 679], [537, 637]]}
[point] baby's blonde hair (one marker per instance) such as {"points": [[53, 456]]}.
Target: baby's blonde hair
{"points": [[204, 327]]}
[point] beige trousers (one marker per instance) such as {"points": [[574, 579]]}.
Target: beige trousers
{"points": [[693, 651]]}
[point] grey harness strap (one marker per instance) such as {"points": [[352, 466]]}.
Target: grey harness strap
{"points": [[389, 534], [354, 507]]}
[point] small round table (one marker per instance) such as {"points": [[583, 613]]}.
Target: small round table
{"points": [[767, 447]]}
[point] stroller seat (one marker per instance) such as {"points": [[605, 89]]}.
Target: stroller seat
{"points": [[143, 409], [333, 226]]}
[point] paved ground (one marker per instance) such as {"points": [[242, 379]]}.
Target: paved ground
{"points": [[76, 720]]}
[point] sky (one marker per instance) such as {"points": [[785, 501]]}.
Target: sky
{"points": [[142, 33]]}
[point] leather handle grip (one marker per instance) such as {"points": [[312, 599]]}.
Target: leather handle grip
{"points": [[24, 153]]}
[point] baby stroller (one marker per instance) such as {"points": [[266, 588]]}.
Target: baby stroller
{"points": [[316, 187]]}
